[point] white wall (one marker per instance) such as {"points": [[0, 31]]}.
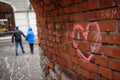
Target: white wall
{"points": [[24, 19]]}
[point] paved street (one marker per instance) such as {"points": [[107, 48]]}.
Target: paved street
{"points": [[22, 67]]}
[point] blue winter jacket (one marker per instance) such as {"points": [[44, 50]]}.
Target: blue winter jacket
{"points": [[30, 37]]}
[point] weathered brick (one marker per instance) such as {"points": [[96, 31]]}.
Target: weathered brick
{"points": [[76, 1], [57, 43], [61, 61], [66, 10], [81, 71], [83, 6], [108, 14], [102, 61], [59, 77], [90, 16], [50, 64], [114, 64], [77, 17], [114, 39], [95, 76], [46, 2], [74, 8], [118, 2], [83, 46], [106, 4], [105, 72], [93, 37], [63, 54], [66, 2], [74, 77], [109, 26], [88, 66], [116, 75], [72, 51], [74, 59], [93, 4], [119, 26], [69, 65]]}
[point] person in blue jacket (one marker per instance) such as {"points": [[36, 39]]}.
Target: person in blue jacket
{"points": [[30, 37]]}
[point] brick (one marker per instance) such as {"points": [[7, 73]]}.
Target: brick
{"points": [[114, 39], [68, 58], [108, 14], [74, 77], [59, 77], [77, 17], [81, 71], [66, 2], [55, 13], [63, 54], [86, 74], [76, 1], [61, 11], [93, 4], [102, 61], [107, 73], [65, 18], [83, 6], [74, 59], [102, 39], [46, 2], [69, 65], [116, 75], [91, 16], [109, 26], [61, 61], [67, 72], [50, 64], [118, 2], [66, 10], [57, 39], [56, 46], [77, 69], [72, 51], [77, 77], [88, 66], [119, 26], [106, 4], [74, 8], [48, 55], [96, 48], [54, 57], [46, 70], [114, 64], [95, 76], [83, 46]]}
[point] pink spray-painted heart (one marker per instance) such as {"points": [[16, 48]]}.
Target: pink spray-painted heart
{"points": [[85, 35]]}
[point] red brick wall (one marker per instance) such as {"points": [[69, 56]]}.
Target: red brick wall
{"points": [[55, 23]]}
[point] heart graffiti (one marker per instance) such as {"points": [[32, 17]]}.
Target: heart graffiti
{"points": [[84, 32]]}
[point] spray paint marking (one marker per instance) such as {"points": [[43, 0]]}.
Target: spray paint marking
{"points": [[95, 47]]}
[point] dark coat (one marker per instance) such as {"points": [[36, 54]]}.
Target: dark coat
{"points": [[17, 35]]}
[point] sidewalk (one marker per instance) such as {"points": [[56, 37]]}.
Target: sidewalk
{"points": [[22, 67]]}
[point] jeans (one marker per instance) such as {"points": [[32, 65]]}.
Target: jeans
{"points": [[16, 46]]}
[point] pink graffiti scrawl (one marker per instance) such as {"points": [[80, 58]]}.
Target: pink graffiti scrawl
{"points": [[95, 47]]}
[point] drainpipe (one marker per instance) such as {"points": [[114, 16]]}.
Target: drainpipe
{"points": [[27, 12]]}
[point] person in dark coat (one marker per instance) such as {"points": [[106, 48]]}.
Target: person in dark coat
{"points": [[30, 37], [17, 37]]}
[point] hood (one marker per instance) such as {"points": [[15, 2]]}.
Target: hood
{"points": [[29, 29]]}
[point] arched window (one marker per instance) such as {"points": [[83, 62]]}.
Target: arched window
{"points": [[7, 22]]}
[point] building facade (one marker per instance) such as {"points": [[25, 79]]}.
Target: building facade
{"points": [[22, 14]]}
